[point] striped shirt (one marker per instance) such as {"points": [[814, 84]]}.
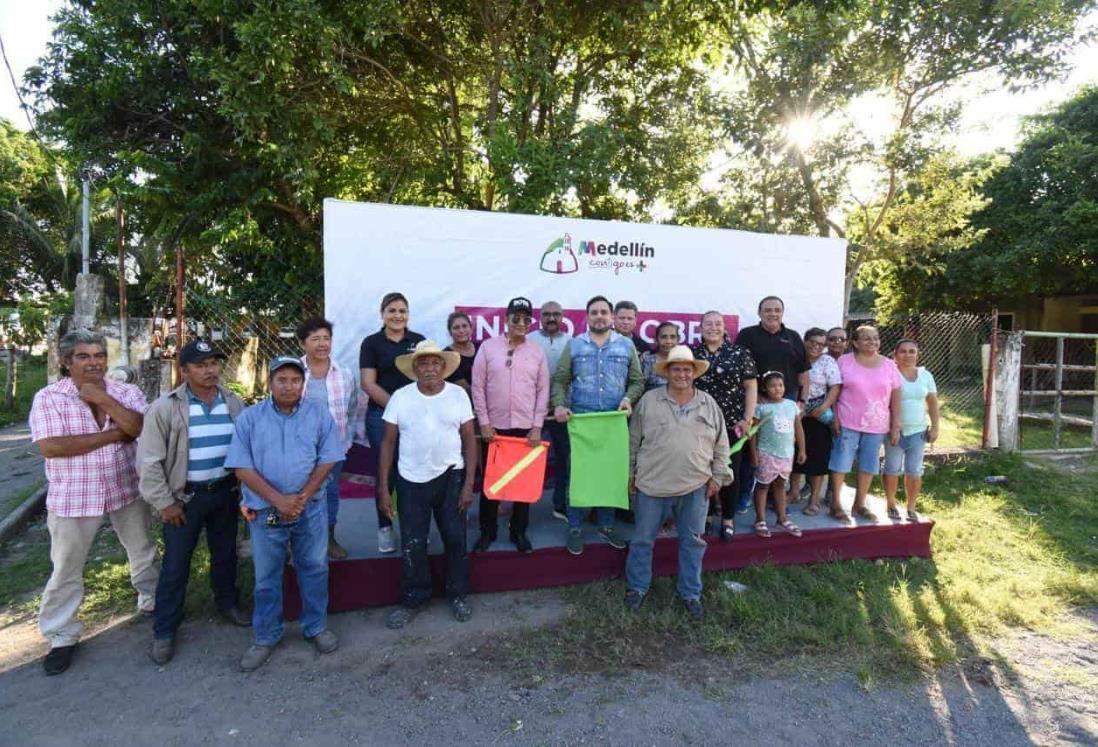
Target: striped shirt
{"points": [[209, 433]]}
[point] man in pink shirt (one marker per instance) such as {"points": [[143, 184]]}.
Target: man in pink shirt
{"points": [[85, 426], [510, 398]]}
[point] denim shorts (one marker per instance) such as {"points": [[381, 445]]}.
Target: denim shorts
{"points": [[907, 456], [850, 445]]}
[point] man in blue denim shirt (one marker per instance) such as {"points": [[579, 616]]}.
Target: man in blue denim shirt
{"points": [[282, 451], [598, 371]]}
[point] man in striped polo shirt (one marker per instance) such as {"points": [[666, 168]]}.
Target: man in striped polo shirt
{"points": [[180, 457]]}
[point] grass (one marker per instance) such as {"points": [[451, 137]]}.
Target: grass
{"points": [[25, 567], [1004, 557], [959, 425], [30, 377]]}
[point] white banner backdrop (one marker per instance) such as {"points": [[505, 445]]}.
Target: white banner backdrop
{"points": [[445, 259]]}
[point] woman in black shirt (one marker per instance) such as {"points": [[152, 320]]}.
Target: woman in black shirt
{"points": [[380, 378]]}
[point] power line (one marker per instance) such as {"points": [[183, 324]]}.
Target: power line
{"points": [[19, 94]]}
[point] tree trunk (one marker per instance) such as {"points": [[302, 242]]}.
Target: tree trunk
{"points": [[9, 380]]}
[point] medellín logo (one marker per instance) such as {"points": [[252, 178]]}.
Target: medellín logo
{"points": [[560, 259]]}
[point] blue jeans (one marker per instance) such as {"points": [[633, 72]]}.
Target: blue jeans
{"points": [[604, 517], [331, 491], [375, 431], [417, 502], [689, 511], [852, 447], [216, 512], [308, 538], [906, 457]]}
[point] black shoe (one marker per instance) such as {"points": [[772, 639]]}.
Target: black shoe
{"points": [[236, 616], [58, 659], [694, 608], [484, 541], [521, 543], [633, 599], [728, 532]]}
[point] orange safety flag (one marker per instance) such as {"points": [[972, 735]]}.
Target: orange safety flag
{"points": [[515, 471]]}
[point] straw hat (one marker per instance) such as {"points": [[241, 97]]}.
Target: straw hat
{"points": [[680, 354], [406, 363]]}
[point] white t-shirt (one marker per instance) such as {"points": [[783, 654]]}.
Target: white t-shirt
{"points": [[430, 442]]}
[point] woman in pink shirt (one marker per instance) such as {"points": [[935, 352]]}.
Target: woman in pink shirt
{"points": [[868, 409]]}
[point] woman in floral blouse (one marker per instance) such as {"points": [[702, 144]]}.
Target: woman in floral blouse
{"points": [[731, 380]]}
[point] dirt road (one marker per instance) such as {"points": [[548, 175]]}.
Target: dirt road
{"points": [[429, 684]]}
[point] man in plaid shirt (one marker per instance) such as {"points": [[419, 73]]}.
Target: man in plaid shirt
{"points": [[85, 426]]}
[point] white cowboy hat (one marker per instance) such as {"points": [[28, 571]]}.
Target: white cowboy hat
{"points": [[680, 354], [406, 363]]}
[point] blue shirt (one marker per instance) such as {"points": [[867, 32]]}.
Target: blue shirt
{"points": [[283, 449], [209, 433]]}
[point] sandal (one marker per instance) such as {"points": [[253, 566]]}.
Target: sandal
{"points": [[810, 510], [790, 527], [894, 514], [866, 514], [728, 532], [762, 530], [912, 517], [840, 515]]}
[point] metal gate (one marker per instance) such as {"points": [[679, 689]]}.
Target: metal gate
{"points": [[1048, 387]]}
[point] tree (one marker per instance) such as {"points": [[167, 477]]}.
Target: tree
{"points": [[224, 125], [1039, 227], [802, 67]]}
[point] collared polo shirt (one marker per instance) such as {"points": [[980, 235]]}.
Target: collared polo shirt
{"points": [[283, 449], [209, 433], [781, 351]]}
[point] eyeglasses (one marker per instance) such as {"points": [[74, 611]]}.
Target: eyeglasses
{"points": [[836, 339]]}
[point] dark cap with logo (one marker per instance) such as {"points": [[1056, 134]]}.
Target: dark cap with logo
{"points": [[286, 360], [197, 351], [520, 305]]}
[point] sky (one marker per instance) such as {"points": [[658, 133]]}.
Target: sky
{"points": [[992, 120]]}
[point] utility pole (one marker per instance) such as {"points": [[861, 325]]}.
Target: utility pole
{"points": [[85, 223]]}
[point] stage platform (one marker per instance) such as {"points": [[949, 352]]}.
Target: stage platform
{"points": [[369, 579]]}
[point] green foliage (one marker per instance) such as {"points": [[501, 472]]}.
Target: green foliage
{"points": [[1040, 226]]}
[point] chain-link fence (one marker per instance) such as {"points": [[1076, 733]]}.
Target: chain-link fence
{"points": [[247, 325], [950, 347]]}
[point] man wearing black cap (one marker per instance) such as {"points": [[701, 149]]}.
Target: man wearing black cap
{"points": [[510, 398], [282, 450], [181, 473]]}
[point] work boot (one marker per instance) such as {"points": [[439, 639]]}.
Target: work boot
{"points": [[325, 641], [162, 650], [255, 657]]}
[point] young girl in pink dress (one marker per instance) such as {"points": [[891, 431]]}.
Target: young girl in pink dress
{"points": [[777, 441]]}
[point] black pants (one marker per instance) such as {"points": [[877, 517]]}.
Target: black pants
{"points": [[417, 501], [730, 494], [489, 509], [562, 454], [217, 512]]}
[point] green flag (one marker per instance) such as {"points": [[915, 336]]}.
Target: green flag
{"points": [[600, 460]]}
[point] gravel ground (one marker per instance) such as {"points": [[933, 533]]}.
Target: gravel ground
{"points": [[20, 465], [431, 683]]}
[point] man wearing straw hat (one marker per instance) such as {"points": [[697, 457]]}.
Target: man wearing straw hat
{"points": [[434, 422], [678, 454]]}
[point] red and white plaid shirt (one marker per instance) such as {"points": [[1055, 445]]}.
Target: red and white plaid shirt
{"points": [[97, 482]]}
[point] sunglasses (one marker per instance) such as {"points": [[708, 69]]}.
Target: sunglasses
{"points": [[836, 339], [510, 357]]}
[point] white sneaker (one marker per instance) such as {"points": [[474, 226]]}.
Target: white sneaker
{"points": [[385, 543]]}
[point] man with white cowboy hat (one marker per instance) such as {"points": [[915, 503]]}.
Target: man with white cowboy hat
{"points": [[678, 460], [434, 422]]}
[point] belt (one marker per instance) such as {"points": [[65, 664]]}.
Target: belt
{"points": [[211, 486]]}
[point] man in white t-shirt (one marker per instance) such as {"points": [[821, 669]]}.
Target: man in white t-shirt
{"points": [[434, 422]]}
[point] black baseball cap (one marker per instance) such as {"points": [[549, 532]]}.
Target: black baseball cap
{"points": [[520, 305], [197, 351]]}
